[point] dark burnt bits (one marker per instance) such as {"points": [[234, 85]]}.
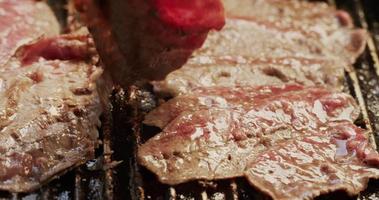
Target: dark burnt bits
{"points": [[82, 91]]}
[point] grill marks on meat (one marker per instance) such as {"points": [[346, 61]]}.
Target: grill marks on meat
{"points": [[46, 125], [211, 134], [275, 33], [305, 167], [209, 71], [22, 22]]}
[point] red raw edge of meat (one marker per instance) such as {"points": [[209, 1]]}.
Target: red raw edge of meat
{"points": [[191, 16], [56, 48]]}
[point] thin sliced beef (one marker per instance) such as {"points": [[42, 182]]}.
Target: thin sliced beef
{"points": [[308, 105], [22, 22], [211, 137], [262, 36], [262, 39], [49, 111], [317, 20], [207, 71], [242, 37], [248, 52], [308, 166]]}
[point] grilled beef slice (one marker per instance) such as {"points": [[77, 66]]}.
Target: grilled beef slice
{"points": [[49, 111], [22, 22], [333, 28], [247, 37], [258, 44], [208, 71], [212, 136], [305, 167], [309, 103]]}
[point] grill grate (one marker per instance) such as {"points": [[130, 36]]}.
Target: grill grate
{"points": [[121, 133]]}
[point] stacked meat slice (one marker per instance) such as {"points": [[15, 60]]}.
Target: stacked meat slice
{"points": [[261, 100], [49, 105], [214, 134], [205, 71], [313, 44]]}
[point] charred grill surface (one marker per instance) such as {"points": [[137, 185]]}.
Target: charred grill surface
{"points": [[121, 132]]}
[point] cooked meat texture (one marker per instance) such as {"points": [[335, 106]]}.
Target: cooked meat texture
{"points": [[148, 39], [308, 166], [316, 20], [252, 52], [207, 71], [49, 112], [242, 37], [262, 39], [22, 22], [216, 139], [311, 104]]}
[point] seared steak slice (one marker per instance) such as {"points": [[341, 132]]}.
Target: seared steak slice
{"points": [[246, 37], [314, 104], [308, 166], [49, 111], [215, 136], [241, 37], [22, 22], [317, 20], [268, 35], [250, 52], [208, 71]]}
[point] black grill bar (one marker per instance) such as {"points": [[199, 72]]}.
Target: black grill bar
{"points": [[370, 42], [107, 153], [366, 70], [45, 193], [78, 186], [357, 91], [234, 189], [362, 104]]}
